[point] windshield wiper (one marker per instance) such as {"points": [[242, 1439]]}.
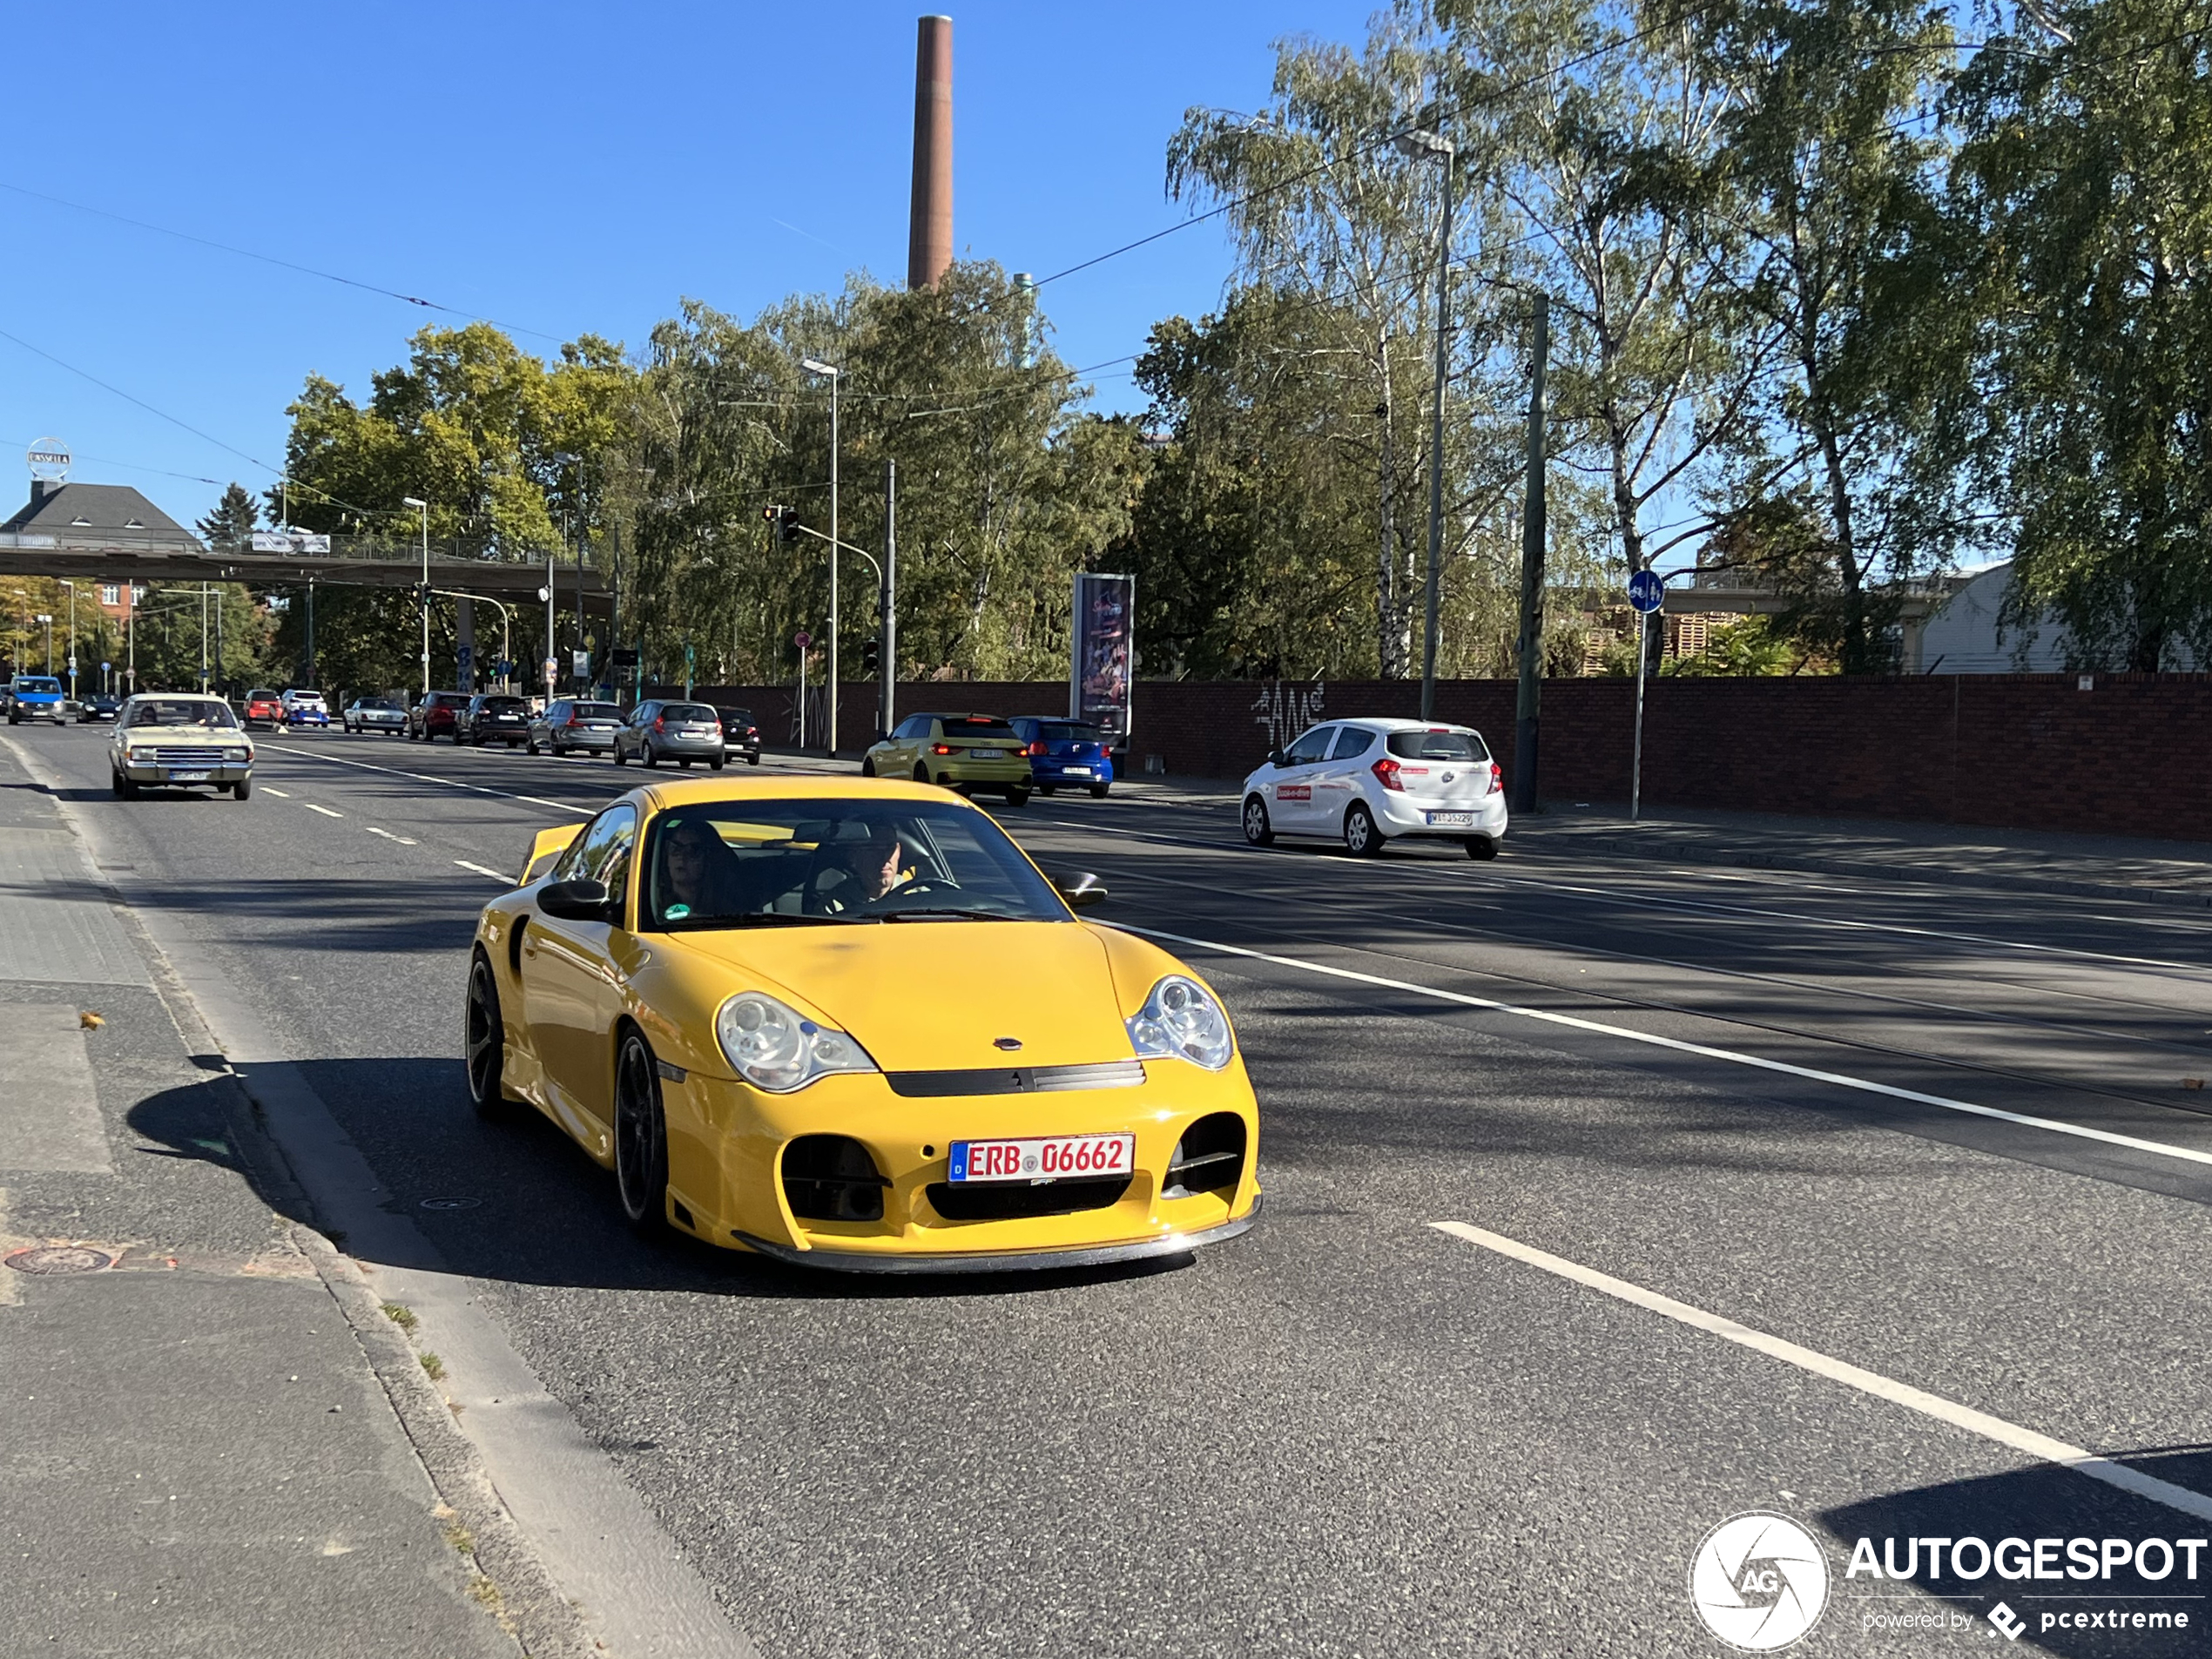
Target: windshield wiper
{"points": [[933, 913]]}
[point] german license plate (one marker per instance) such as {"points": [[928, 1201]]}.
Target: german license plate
{"points": [[1077, 771], [1067, 1157], [987, 754], [1451, 820], [178, 775]]}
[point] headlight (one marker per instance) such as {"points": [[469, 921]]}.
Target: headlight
{"points": [[777, 1049], [238, 754], [1181, 1020]]}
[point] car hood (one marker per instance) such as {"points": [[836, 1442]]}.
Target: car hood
{"points": [[936, 995]]}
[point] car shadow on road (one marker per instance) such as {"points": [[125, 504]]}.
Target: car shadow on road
{"points": [[512, 1199], [2092, 1614]]}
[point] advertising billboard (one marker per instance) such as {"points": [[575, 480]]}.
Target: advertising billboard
{"points": [[1104, 658]]}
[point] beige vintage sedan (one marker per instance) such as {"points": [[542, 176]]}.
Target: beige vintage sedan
{"points": [[180, 740]]}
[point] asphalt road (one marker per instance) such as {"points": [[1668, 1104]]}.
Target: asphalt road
{"points": [[1940, 1136]]}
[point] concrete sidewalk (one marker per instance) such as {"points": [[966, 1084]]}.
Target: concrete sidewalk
{"points": [[218, 1444]]}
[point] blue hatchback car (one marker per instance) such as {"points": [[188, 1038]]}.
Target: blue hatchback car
{"points": [[1066, 752], [36, 696]]}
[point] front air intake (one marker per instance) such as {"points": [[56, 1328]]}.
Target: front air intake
{"points": [[1209, 1159], [830, 1177]]}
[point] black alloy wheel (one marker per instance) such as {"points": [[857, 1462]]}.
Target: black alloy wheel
{"points": [[641, 1138], [484, 1040], [1361, 838], [1257, 831]]}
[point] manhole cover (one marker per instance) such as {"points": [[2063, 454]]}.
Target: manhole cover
{"points": [[58, 1258], [451, 1203]]}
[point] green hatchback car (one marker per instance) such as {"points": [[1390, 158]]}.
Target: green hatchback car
{"points": [[967, 752]]}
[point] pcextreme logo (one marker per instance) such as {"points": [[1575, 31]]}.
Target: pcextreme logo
{"points": [[1759, 1581]]}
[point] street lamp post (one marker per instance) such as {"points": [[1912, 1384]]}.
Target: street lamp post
{"points": [[48, 619], [815, 366], [1424, 144], [71, 586], [423, 507]]}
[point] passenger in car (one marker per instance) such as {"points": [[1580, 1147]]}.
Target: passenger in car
{"points": [[698, 874]]}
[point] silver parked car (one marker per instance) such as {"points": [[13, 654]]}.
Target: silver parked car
{"points": [[385, 714], [682, 732]]}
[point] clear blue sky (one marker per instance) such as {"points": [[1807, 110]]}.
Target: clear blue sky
{"points": [[555, 167]]}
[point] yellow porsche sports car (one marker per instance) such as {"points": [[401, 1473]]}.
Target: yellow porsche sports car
{"points": [[847, 1023]]}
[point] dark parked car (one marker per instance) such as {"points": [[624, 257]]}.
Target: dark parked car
{"points": [[98, 706], [740, 735], [682, 732], [1066, 751], [493, 717], [568, 724], [435, 715]]}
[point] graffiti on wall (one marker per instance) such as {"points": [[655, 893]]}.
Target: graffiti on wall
{"points": [[1284, 710]]}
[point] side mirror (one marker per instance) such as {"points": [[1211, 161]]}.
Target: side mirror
{"points": [[1081, 891], [582, 900], [1276, 758]]}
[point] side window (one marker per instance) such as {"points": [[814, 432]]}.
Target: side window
{"points": [[915, 726], [603, 845], [1310, 748], [1351, 741], [642, 714]]}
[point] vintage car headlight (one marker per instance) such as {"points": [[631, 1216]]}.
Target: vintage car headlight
{"points": [[238, 754], [777, 1049], [1181, 1020]]}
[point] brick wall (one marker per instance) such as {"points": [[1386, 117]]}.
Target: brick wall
{"points": [[2132, 755]]}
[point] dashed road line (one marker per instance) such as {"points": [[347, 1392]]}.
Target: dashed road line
{"points": [[561, 806], [500, 876], [404, 840], [325, 811], [268, 789], [1842, 1080], [2027, 1440]]}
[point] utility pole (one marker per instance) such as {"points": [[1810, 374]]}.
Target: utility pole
{"points": [[1437, 147], [423, 507], [203, 637], [886, 654], [815, 366], [311, 630], [1532, 575], [71, 586]]}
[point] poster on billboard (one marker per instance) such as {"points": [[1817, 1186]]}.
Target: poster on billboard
{"points": [[1104, 661]]}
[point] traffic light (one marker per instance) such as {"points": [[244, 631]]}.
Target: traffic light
{"points": [[871, 654], [783, 520]]}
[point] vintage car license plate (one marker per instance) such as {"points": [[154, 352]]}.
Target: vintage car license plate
{"points": [[1063, 1157], [987, 754], [1451, 820], [179, 775]]}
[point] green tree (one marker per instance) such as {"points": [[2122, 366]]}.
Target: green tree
{"points": [[2087, 142]]}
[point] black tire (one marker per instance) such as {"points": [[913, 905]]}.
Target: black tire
{"points": [[1481, 846], [124, 789], [1046, 789], [753, 760], [621, 759], [641, 1138], [867, 766], [1361, 838], [921, 773], [1258, 830], [685, 763], [650, 759], [718, 764], [532, 746], [1017, 797], [483, 1035], [242, 789], [1098, 791]]}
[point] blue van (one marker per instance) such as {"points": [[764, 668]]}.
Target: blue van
{"points": [[36, 696]]}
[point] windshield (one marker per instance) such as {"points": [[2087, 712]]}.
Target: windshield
{"points": [[597, 711], [736, 716], [258, 696], [978, 728], [181, 712], [503, 704], [37, 683], [767, 863], [1437, 745], [1066, 731], [689, 712]]}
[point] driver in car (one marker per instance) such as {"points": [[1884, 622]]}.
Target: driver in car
{"points": [[861, 870]]}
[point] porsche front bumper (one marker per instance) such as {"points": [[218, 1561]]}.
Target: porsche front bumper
{"points": [[1022, 1261]]}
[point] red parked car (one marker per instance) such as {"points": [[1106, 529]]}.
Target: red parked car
{"points": [[264, 708], [432, 716]]}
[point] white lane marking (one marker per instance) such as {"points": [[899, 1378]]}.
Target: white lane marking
{"points": [[268, 789], [561, 806], [500, 876], [1654, 901], [1865, 1085], [2078, 1458], [325, 811], [404, 840]]}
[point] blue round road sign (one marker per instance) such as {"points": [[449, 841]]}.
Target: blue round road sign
{"points": [[1646, 591]]}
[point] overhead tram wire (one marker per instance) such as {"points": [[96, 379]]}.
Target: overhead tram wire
{"points": [[271, 258]]}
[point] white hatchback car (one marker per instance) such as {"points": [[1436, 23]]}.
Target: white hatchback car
{"points": [[1371, 782]]}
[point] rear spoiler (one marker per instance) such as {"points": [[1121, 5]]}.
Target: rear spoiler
{"points": [[545, 846]]}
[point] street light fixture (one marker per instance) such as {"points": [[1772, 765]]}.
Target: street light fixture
{"points": [[1421, 144], [71, 586], [815, 366], [48, 621], [423, 507]]}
